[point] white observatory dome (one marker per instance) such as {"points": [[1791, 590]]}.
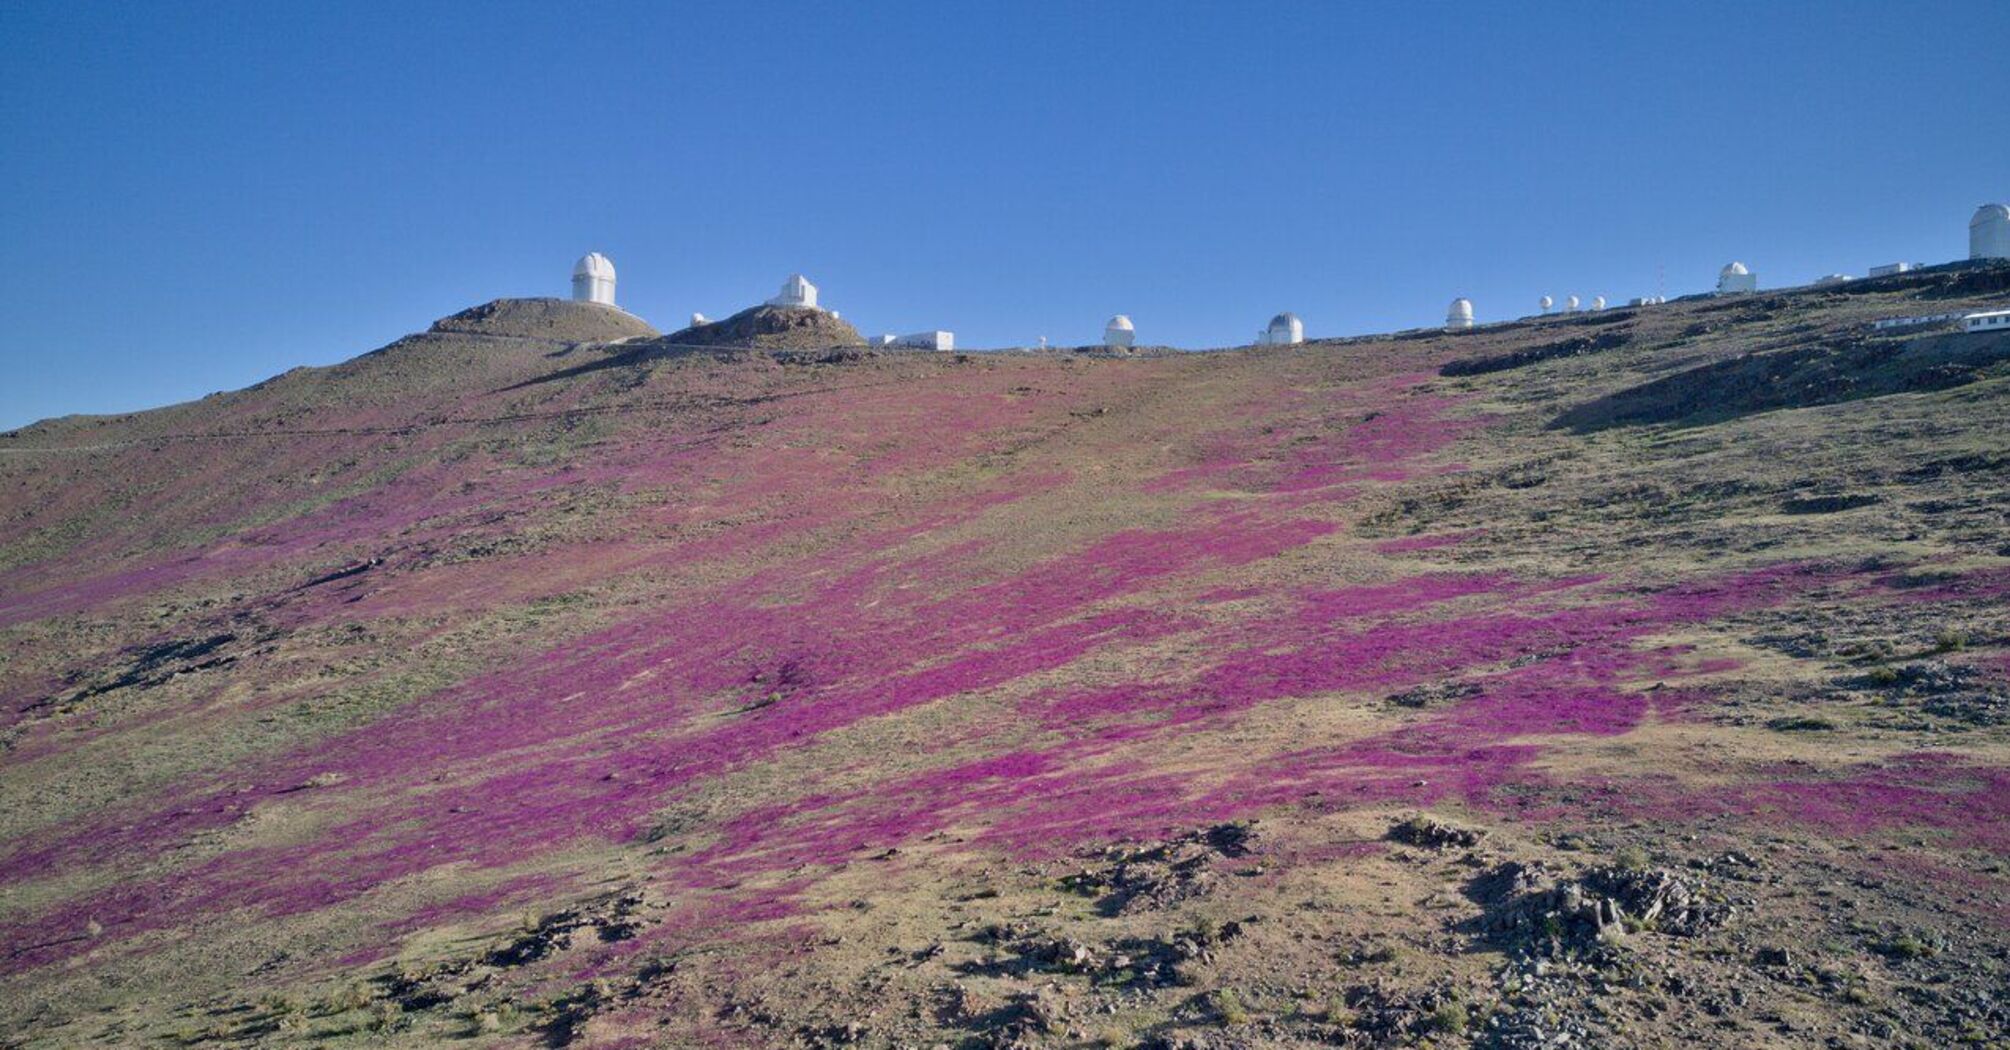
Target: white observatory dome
{"points": [[1598, 302], [1570, 305], [1989, 232], [1734, 277], [1119, 334], [593, 279], [1284, 330], [1460, 314]]}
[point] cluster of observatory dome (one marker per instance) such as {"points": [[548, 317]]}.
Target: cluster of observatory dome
{"points": [[1988, 238]]}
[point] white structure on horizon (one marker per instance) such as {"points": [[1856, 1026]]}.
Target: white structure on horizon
{"points": [[1598, 302], [1891, 268], [1547, 304], [1832, 280], [1119, 334], [698, 319], [1570, 305], [798, 292], [1285, 330], [1735, 278], [931, 340], [1989, 232], [1460, 314], [593, 279]]}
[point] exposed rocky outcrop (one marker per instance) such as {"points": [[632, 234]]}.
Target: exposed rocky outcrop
{"points": [[771, 328], [558, 320]]}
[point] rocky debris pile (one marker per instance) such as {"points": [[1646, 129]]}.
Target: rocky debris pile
{"points": [[1537, 906], [1160, 875], [1951, 691], [1436, 694], [1572, 347], [610, 919], [1433, 834], [771, 328], [553, 320], [1140, 962]]}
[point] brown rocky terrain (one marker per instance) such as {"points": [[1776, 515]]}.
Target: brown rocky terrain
{"points": [[1630, 679]]}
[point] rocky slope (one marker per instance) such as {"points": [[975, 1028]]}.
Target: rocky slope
{"points": [[1629, 679], [771, 328]]}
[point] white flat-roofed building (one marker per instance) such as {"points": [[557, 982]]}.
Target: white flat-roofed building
{"points": [[1987, 321], [1885, 323], [1891, 268], [932, 340], [797, 291]]}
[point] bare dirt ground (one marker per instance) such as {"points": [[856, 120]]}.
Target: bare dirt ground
{"points": [[1631, 679]]}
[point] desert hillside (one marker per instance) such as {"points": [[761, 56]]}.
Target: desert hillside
{"points": [[1637, 678]]}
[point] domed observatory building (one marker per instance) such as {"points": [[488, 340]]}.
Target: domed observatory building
{"points": [[1119, 334], [1989, 232], [1285, 330], [1735, 278], [1546, 303], [1460, 314], [593, 279], [797, 291]]}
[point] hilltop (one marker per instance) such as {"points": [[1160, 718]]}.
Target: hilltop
{"points": [[1637, 678]]}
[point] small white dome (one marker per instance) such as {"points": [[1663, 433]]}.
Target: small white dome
{"points": [[1120, 323], [1284, 320], [1547, 302], [1736, 269], [1989, 213], [594, 264]]}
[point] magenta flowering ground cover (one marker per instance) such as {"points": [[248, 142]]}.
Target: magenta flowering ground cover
{"points": [[701, 699]]}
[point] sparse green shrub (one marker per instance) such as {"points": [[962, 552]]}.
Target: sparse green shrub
{"points": [[1383, 953], [1882, 676], [1114, 1036], [1905, 946], [385, 1016], [1950, 639], [1631, 858], [1451, 1018], [1228, 1006]]}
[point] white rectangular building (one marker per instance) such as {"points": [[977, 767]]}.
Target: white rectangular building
{"points": [[935, 340], [1891, 268], [1987, 321]]}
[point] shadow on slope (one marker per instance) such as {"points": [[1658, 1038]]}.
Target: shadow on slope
{"points": [[1855, 367]]}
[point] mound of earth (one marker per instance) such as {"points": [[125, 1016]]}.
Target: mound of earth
{"points": [[771, 328], [559, 320]]}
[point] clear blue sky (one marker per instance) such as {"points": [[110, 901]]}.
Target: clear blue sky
{"points": [[196, 196]]}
